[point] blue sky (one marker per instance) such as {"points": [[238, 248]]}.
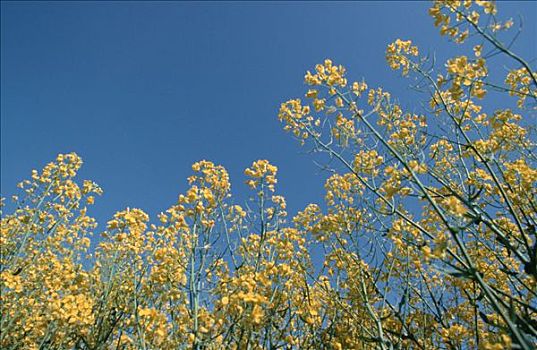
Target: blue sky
{"points": [[141, 90]]}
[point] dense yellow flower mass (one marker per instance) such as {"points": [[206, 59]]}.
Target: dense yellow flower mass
{"points": [[426, 238]]}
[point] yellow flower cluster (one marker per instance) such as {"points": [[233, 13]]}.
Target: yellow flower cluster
{"points": [[344, 129], [465, 73], [397, 55], [367, 162], [213, 178], [297, 118], [262, 174], [506, 134], [155, 325], [327, 74], [450, 15], [521, 85], [454, 206], [393, 184], [132, 219], [342, 188]]}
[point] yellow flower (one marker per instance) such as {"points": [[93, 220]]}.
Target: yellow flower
{"points": [[455, 206]]}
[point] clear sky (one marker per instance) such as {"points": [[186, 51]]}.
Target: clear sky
{"points": [[141, 90]]}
